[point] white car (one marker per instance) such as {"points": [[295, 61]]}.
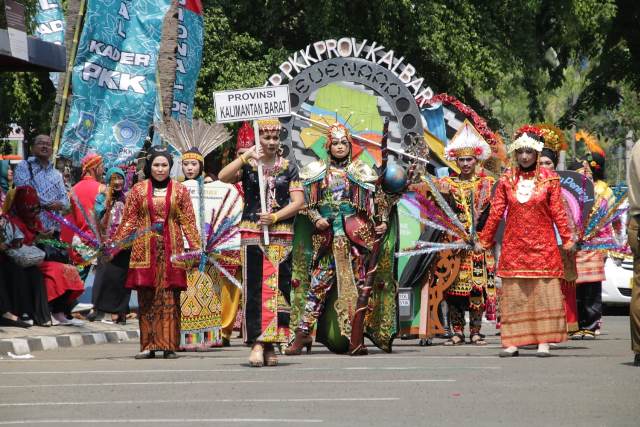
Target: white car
{"points": [[616, 289]]}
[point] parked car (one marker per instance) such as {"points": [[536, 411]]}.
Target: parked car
{"points": [[616, 289]]}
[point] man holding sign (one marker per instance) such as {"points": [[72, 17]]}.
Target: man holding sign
{"points": [[266, 257]]}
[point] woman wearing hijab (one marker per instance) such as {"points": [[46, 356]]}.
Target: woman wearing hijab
{"points": [[109, 292], [164, 206], [532, 310], [62, 284], [6, 180]]}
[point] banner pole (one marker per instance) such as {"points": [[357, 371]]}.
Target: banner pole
{"points": [[263, 198], [67, 77]]}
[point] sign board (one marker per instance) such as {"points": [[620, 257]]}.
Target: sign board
{"points": [[405, 311], [251, 104], [17, 30]]}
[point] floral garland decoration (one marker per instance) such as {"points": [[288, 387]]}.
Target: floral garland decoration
{"points": [[494, 140]]}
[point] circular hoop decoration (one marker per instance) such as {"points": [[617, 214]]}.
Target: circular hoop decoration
{"points": [[357, 93]]}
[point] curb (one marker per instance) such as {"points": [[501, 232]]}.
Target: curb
{"points": [[21, 346]]}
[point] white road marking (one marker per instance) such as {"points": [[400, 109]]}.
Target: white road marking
{"points": [[244, 358], [185, 371], [181, 401], [153, 383], [163, 420]]}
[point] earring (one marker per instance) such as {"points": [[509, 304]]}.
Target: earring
{"points": [[280, 150]]}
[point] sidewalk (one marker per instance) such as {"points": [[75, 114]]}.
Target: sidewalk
{"points": [[20, 341]]}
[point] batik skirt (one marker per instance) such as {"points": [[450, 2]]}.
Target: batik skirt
{"points": [[532, 311]]}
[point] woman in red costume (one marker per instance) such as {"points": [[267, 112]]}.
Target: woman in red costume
{"points": [[61, 281], [166, 205], [530, 264]]}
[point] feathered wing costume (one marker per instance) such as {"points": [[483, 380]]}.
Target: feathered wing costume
{"points": [[214, 202]]}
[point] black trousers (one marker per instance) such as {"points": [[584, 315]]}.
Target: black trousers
{"points": [[589, 301], [28, 292]]}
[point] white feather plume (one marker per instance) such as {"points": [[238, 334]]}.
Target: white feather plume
{"points": [[198, 134]]}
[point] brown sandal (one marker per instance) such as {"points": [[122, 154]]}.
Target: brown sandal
{"points": [[476, 339], [456, 339], [270, 357]]}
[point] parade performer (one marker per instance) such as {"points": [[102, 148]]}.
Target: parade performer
{"points": [[164, 204], [342, 201], [469, 194], [200, 320], [266, 268], [231, 295], [590, 263], [530, 265], [110, 295], [554, 141]]}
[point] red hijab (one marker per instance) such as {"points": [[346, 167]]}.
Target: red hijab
{"points": [[25, 203]]}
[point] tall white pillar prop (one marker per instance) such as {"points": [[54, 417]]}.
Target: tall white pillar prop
{"points": [[263, 194]]}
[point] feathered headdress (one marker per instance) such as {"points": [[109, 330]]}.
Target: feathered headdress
{"points": [[528, 136], [590, 141], [596, 156], [195, 140], [468, 142]]}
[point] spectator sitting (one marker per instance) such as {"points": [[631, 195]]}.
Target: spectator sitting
{"points": [[38, 172], [61, 281], [7, 308], [6, 180]]}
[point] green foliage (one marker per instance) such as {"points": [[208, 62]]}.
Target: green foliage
{"points": [[570, 62]]}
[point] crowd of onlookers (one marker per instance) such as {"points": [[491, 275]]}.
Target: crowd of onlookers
{"points": [[39, 282]]}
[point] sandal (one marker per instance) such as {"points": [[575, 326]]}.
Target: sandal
{"points": [[269, 356], [456, 339], [477, 339]]}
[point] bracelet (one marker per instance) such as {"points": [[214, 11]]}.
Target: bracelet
{"points": [[243, 159], [274, 218]]}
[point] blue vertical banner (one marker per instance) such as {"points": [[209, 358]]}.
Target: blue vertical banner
{"points": [[188, 57], [435, 121], [114, 80], [50, 26]]}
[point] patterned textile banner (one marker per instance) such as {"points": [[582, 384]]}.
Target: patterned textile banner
{"points": [[114, 80], [188, 57], [50, 26]]}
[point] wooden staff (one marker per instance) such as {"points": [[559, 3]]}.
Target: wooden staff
{"points": [[263, 195]]}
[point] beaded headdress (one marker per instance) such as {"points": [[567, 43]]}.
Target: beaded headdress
{"points": [[528, 136], [269, 124]]}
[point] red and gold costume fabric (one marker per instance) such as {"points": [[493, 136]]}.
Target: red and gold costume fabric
{"points": [[533, 203], [266, 269], [85, 192], [170, 208], [476, 276]]}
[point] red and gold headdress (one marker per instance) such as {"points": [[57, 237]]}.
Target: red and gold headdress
{"points": [[554, 138], [528, 136], [91, 160], [246, 138], [336, 132]]}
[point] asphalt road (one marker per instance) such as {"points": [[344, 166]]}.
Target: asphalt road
{"points": [[586, 383]]}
